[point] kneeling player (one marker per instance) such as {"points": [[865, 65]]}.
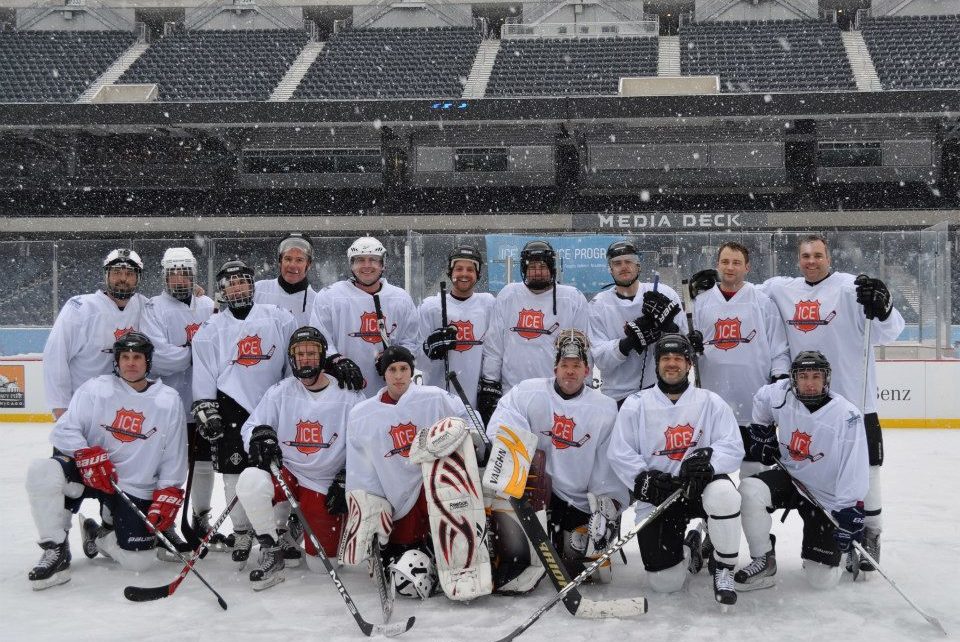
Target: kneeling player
{"points": [[826, 451], [119, 428], [409, 507], [674, 436], [300, 423]]}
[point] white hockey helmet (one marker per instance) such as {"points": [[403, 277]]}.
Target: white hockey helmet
{"points": [[123, 257], [179, 262], [367, 246], [178, 257], [414, 574]]}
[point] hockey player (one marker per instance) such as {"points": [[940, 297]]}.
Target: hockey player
{"points": [[346, 314], [78, 346], [526, 317], [572, 423], [468, 317], [829, 311], [391, 513], [300, 423], [170, 320], [676, 436], [741, 339], [234, 364], [626, 320], [821, 444], [291, 290], [120, 428]]}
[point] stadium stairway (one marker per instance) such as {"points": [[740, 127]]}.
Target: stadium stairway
{"points": [[114, 71], [668, 56], [479, 78], [291, 80], [864, 73]]}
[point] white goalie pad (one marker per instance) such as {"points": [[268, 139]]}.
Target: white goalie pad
{"points": [[458, 523], [511, 452], [367, 516], [439, 440]]}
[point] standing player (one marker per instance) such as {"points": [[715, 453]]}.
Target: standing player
{"points": [[623, 327], [738, 331], [346, 315], [78, 347], [829, 311], [119, 428], [301, 423], [170, 320], [468, 317], [234, 363], [526, 316], [821, 444], [291, 290], [676, 436]]}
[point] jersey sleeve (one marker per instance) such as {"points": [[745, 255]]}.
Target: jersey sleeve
{"points": [[168, 359], [603, 481], [57, 352], [511, 411], [623, 452], [888, 330], [408, 325], [321, 318], [581, 313], [361, 471], [763, 405], [68, 433], [427, 323], [267, 413], [493, 346], [776, 336], [173, 464], [681, 318], [604, 348], [205, 364], [853, 476], [287, 329], [726, 441]]}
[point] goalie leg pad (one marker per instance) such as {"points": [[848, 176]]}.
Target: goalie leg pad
{"points": [[518, 567], [511, 452], [367, 516], [439, 440]]}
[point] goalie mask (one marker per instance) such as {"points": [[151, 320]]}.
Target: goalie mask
{"points": [[133, 342], [627, 250], [306, 364], [806, 361], [414, 574], [235, 285], [119, 260], [179, 273], [571, 344]]}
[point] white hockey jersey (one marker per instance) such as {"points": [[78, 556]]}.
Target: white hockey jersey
{"points": [[826, 449], [827, 317], [744, 345], [242, 358], [653, 433], [472, 318], [574, 434], [378, 443], [346, 316], [144, 433], [523, 327], [311, 427], [80, 345], [171, 324], [608, 314], [300, 303]]}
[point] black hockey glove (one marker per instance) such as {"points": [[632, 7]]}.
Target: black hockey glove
{"points": [[777, 377], [337, 494], [488, 394], [638, 335], [874, 296], [849, 527], [345, 371], [702, 281], [762, 444], [264, 448], [206, 413], [696, 472], [654, 486], [659, 308], [440, 342], [695, 337]]}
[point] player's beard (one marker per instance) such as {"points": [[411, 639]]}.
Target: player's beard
{"points": [[541, 284]]}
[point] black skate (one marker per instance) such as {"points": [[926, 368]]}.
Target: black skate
{"points": [[270, 570], [240, 543], [706, 553], [871, 544], [181, 546], [291, 552], [53, 567], [724, 590], [201, 526], [693, 542], [758, 574], [89, 529]]}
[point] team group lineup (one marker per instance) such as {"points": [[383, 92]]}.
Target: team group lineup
{"points": [[507, 463]]}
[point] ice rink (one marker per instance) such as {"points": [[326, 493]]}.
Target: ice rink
{"points": [[921, 552]]}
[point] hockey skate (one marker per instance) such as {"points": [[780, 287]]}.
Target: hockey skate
{"points": [[53, 567], [724, 590], [181, 546], [706, 553], [270, 570], [240, 543], [758, 574], [871, 544], [291, 552], [693, 542], [201, 526], [89, 530]]}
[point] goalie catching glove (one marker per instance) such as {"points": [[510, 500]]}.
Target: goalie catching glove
{"points": [[603, 526]]}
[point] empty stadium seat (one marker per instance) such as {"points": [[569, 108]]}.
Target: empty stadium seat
{"points": [[915, 52]]}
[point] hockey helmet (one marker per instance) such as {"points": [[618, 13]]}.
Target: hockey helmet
{"points": [[296, 241], [231, 274], [179, 262], [133, 341], [306, 334], [810, 360], [673, 344], [571, 343], [622, 248], [465, 253], [538, 251], [122, 258], [414, 574], [366, 246]]}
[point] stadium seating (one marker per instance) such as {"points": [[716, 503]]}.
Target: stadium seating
{"points": [[55, 66], [915, 52], [774, 56], [564, 66], [392, 63], [217, 65]]}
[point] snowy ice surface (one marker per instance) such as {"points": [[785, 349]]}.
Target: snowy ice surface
{"points": [[921, 552]]}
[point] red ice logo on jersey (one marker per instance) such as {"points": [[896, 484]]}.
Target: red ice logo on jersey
{"points": [[799, 446], [127, 425], [806, 315], [250, 352], [191, 330], [402, 435], [529, 320], [678, 439], [562, 433], [369, 331], [465, 334], [119, 332], [308, 432], [726, 334]]}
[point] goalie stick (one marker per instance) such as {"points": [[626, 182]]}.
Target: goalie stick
{"points": [[576, 604], [368, 628]]}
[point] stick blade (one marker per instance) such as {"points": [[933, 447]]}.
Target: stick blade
{"points": [[389, 630], [625, 607], [146, 594]]}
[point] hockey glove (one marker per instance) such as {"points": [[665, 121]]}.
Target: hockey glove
{"points": [[604, 523], [166, 504], [654, 486], [874, 296], [695, 337], [96, 469], [702, 281], [659, 308], [264, 448], [206, 412], [345, 371], [777, 377], [696, 472], [488, 394], [639, 334], [337, 495], [849, 527], [440, 341], [762, 446]]}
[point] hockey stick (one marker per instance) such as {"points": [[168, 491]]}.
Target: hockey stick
{"points": [[163, 538], [147, 594], [688, 310], [381, 324], [566, 442], [389, 630], [189, 534], [576, 604], [443, 323], [544, 331], [129, 433], [646, 349], [808, 496]]}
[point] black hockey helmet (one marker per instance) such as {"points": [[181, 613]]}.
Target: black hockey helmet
{"points": [[306, 334], [465, 253], [538, 251], [673, 344], [571, 343], [391, 355], [296, 241], [229, 273], [132, 341], [810, 360], [622, 248]]}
